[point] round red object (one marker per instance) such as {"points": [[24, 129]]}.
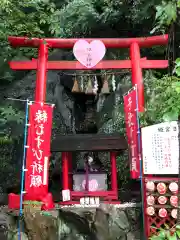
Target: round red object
{"points": [[93, 185], [174, 213], [161, 187], [150, 186], [150, 200], [162, 199], [150, 211], [174, 201], [162, 212], [173, 187]]}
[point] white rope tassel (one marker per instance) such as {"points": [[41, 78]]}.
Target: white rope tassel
{"points": [[113, 83], [82, 84], [95, 88]]}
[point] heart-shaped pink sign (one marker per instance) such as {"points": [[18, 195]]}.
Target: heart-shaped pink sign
{"points": [[89, 54]]}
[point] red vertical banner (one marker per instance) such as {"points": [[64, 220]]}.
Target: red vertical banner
{"points": [[38, 151], [130, 110]]}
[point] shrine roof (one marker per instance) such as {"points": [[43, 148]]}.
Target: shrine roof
{"points": [[89, 142]]}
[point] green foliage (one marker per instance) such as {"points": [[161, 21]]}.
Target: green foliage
{"points": [[167, 234], [22, 18], [10, 114], [8, 168], [123, 170], [5, 140], [177, 67], [162, 96], [77, 17], [85, 17], [30, 18], [166, 13], [10, 118]]}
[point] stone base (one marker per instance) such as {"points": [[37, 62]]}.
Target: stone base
{"points": [[102, 223]]}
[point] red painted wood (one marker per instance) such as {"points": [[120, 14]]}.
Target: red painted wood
{"points": [[153, 64], [40, 91], [152, 223], [65, 170], [136, 71], [70, 170], [68, 65], [114, 184], [144, 199], [163, 179], [109, 42], [110, 194]]}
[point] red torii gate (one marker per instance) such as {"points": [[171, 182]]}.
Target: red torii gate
{"points": [[136, 64], [42, 65]]}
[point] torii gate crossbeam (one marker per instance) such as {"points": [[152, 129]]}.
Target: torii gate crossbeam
{"points": [[136, 64]]}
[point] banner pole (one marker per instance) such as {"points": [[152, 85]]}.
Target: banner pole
{"points": [[23, 168], [131, 89], [140, 160]]}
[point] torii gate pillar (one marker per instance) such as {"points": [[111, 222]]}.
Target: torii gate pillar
{"points": [[136, 72], [40, 91]]}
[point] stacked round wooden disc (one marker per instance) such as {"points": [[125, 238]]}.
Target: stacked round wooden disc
{"points": [[161, 197]]}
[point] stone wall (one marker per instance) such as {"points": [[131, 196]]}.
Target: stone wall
{"points": [[107, 222]]}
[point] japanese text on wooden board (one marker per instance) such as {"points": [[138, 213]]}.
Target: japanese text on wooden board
{"points": [[37, 160], [132, 131], [89, 57], [161, 151]]}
